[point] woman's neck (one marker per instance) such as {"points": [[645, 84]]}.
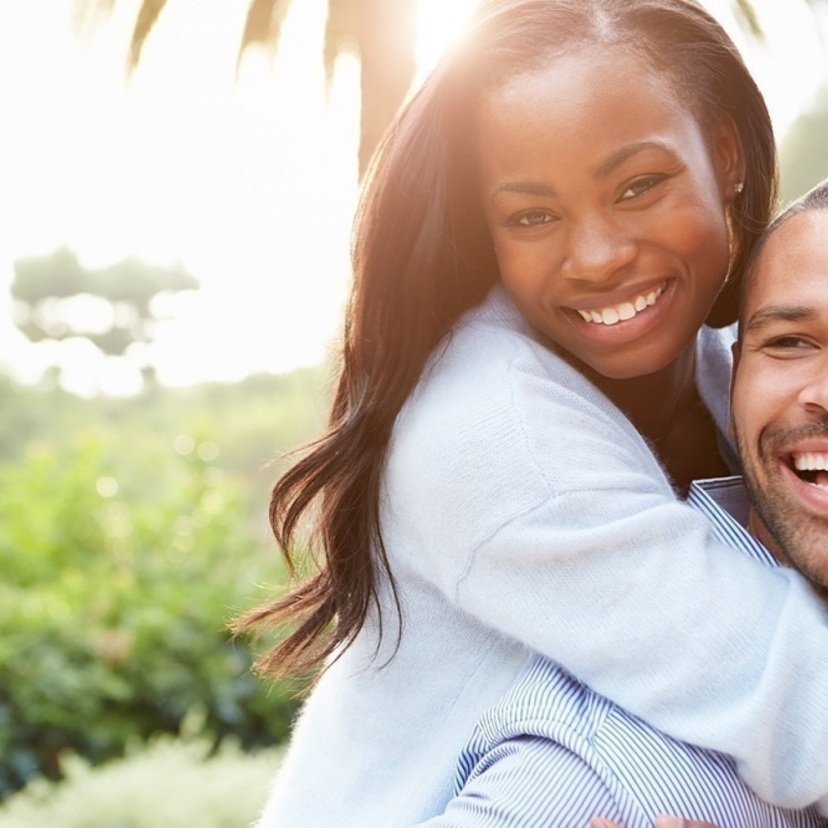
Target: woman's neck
{"points": [[652, 402], [667, 410]]}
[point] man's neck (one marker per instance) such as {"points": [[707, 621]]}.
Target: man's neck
{"points": [[758, 528]]}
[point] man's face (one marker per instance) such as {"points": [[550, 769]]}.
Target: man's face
{"points": [[780, 395]]}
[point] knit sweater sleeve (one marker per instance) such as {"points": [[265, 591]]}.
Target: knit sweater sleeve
{"points": [[533, 505]]}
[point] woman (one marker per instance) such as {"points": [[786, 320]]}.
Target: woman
{"points": [[546, 229]]}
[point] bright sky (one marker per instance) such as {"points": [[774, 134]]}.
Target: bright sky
{"points": [[250, 184]]}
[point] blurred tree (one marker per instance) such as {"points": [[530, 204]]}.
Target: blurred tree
{"points": [[804, 154], [381, 32], [116, 308]]}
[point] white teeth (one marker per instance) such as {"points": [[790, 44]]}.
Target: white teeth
{"points": [[623, 311], [609, 316], [627, 311], [811, 461]]}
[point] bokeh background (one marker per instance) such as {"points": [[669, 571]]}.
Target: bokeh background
{"points": [[177, 181]]}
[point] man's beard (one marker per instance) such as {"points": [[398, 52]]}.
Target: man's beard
{"points": [[802, 537]]}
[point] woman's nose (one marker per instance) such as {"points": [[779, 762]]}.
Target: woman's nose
{"points": [[597, 248]]}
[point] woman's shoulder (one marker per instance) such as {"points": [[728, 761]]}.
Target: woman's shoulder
{"points": [[492, 354], [497, 402]]}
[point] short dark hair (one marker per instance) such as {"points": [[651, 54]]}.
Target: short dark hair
{"points": [[815, 199]]}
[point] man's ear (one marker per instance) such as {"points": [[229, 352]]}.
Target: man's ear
{"points": [[736, 350]]}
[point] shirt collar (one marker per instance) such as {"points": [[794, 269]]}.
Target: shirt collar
{"points": [[724, 501]]}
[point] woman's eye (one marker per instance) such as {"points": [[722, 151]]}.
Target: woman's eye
{"points": [[641, 186], [532, 218]]}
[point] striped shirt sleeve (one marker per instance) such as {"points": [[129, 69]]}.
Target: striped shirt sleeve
{"points": [[529, 781]]}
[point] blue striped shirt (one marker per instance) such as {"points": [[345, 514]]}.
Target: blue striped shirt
{"points": [[553, 753]]}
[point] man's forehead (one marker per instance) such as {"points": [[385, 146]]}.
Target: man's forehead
{"points": [[792, 269]]}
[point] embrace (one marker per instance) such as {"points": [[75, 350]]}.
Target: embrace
{"points": [[543, 591]]}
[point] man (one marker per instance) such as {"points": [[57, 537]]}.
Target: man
{"points": [[780, 391], [553, 753]]}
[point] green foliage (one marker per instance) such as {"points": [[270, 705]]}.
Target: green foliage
{"points": [[174, 783], [116, 308], [804, 153], [60, 275], [121, 568], [249, 426]]}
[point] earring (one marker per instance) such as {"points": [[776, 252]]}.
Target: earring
{"points": [[738, 189]]}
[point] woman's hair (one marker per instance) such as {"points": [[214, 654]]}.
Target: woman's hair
{"points": [[422, 256]]}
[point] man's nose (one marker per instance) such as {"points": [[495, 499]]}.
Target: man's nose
{"points": [[597, 247], [813, 396]]}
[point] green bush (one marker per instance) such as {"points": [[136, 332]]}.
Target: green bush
{"points": [[174, 783], [118, 581]]}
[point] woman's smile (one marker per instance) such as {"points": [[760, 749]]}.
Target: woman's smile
{"points": [[637, 302]]}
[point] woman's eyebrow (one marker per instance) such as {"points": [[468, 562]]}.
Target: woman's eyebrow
{"points": [[617, 158], [537, 188]]}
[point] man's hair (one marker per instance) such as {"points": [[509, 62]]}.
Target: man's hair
{"points": [[815, 199]]}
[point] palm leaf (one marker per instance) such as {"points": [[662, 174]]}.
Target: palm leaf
{"points": [[263, 24], [745, 11], [147, 16], [86, 12], [341, 33]]}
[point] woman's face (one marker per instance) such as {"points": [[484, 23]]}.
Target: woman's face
{"points": [[606, 204]]}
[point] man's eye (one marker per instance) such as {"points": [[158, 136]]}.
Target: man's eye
{"points": [[641, 185], [788, 343]]}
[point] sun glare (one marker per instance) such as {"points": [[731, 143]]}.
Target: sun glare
{"points": [[438, 25], [249, 182]]}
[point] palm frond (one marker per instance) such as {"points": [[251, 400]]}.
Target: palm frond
{"points": [[86, 13], [341, 33], [747, 13], [263, 24], [147, 16]]}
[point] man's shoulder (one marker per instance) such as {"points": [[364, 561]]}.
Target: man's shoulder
{"points": [[646, 770], [724, 502], [548, 702]]}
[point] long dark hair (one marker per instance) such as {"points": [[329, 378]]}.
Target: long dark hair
{"points": [[422, 256]]}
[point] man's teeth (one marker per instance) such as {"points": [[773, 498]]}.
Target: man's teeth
{"points": [[811, 461], [626, 310]]}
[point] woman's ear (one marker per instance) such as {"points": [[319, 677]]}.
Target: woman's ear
{"points": [[728, 158]]}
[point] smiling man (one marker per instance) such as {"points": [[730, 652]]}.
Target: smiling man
{"points": [[553, 752], [780, 389]]}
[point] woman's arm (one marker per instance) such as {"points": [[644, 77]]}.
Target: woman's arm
{"points": [[536, 507]]}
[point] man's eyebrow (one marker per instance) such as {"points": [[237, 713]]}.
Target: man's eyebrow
{"points": [[779, 313]]}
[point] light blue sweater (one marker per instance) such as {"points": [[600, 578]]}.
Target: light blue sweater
{"points": [[522, 511]]}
